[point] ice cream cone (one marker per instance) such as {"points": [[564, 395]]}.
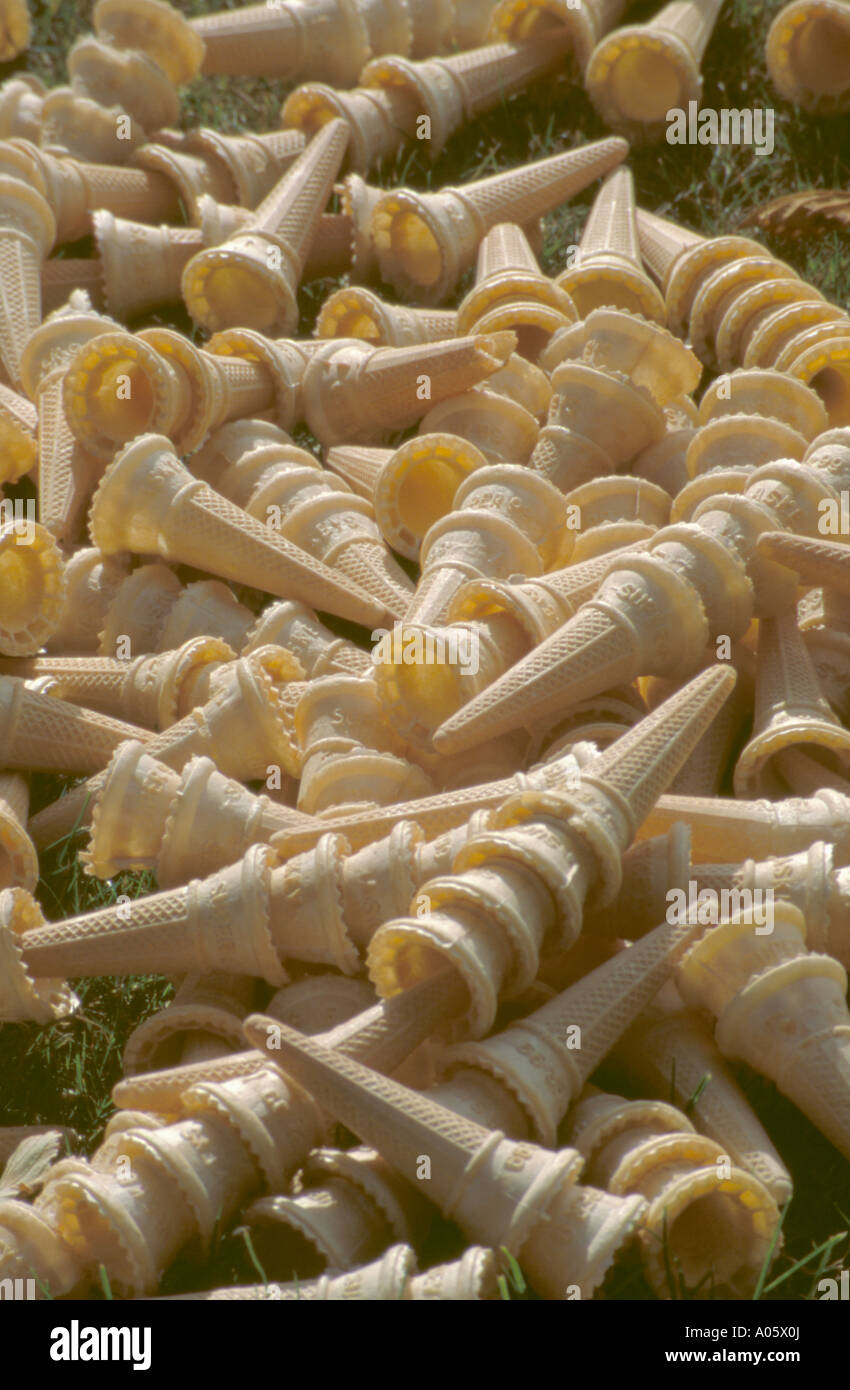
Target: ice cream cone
{"points": [[359, 313], [615, 511], [328, 40], [24, 997], [141, 266], [768, 393], [18, 859], [747, 307], [822, 358], [14, 29], [511, 291], [18, 438], [351, 753], [27, 232], [151, 27], [505, 520], [651, 1148], [410, 487], [350, 1207], [806, 55], [204, 1019], [285, 487], [32, 588], [144, 814], [398, 1121], [637, 74], [597, 421], [500, 417], [724, 452], [382, 1036], [21, 103], [60, 276], [790, 712], [682, 261], [522, 19], [424, 242], [204, 525], [459, 917], [782, 1009], [619, 654], [669, 1052], [321, 1002], [76, 125], [296, 627], [545, 1059], [124, 78], [618, 341], [254, 163], [354, 393], [705, 771], [252, 278], [41, 733], [67, 473], [91, 583], [74, 188], [608, 268]]}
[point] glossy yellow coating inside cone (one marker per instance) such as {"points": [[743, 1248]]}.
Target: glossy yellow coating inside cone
{"points": [[121, 401]]}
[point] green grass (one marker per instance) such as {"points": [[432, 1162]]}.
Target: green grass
{"points": [[63, 1073]]}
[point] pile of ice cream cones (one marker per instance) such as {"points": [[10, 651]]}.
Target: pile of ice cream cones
{"points": [[455, 670]]}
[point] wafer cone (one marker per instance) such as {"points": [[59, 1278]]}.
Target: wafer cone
{"points": [[21, 102], [637, 74], [806, 55], [60, 276], [816, 561], [615, 511], [618, 653], [597, 421], [32, 588], [388, 1278], [651, 1148], [682, 261], [822, 358], [194, 175], [351, 753], [141, 266], [410, 487], [285, 487], [254, 163], [460, 919], [67, 473], [619, 341], [359, 313], [504, 520], [205, 525], [327, 41], [403, 1125], [424, 242], [669, 1052], [124, 78], [546, 1058], [321, 1002], [179, 825], [809, 880], [151, 691], [27, 231], [251, 279], [782, 1009], [42, 733], [350, 1206], [354, 393], [185, 1180], [14, 29], [91, 583], [18, 439], [74, 124], [135, 616], [24, 997], [153, 28], [296, 627], [511, 291], [381, 1036], [74, 188], [608, 268], [204, 1019], [765, 392], [746, 307], [18, 859], [494, 416], [790, 712]]}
